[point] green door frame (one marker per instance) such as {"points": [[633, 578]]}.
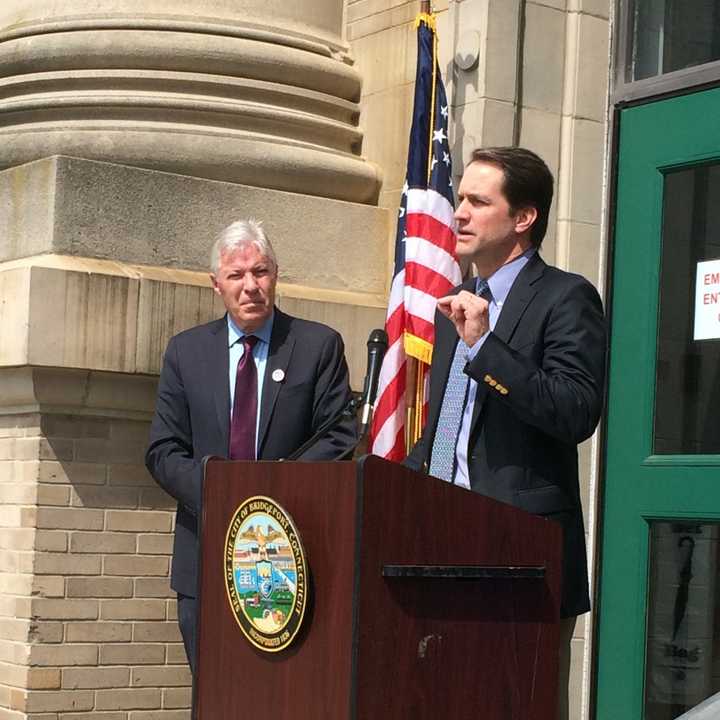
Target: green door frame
{"points": [[639, 486]]}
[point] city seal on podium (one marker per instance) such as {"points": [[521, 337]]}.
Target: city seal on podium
{"points": [[265, 573]]}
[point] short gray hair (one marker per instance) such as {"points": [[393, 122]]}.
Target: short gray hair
{"points": [[240, 234]]}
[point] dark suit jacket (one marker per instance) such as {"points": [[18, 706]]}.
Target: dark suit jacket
{"points": [[192, 416], [540, 377]]}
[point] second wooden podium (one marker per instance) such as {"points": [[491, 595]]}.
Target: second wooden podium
{"points": [[426, 600]]}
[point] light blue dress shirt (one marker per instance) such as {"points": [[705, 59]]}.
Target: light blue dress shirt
{"points": [[500, 283], [260, 355]]}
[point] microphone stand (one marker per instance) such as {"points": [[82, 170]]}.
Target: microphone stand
{"points": [[350, 410]]}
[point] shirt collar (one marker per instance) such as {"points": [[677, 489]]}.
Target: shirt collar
{"points": [[263, 333], [503, 278]]}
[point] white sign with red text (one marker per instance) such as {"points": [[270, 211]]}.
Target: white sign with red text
{"points": [[707, 301]]}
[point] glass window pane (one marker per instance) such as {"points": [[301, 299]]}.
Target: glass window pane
{"points": [[671, 35], [687, 388], [683, 638]]}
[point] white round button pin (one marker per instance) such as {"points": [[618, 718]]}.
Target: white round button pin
{"points": [[278, 375]]}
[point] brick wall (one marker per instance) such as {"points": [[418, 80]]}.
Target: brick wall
{"points": [[87, 620]]}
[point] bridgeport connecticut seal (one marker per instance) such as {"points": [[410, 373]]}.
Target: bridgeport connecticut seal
{"points": [[265, 573]]}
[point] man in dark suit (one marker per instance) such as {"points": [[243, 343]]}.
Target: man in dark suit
{"points": [[255, 384], [518, 366]]}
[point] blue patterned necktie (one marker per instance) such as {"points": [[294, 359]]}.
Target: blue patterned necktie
{"points": [[442, 459]]}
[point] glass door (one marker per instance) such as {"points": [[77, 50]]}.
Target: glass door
{"points": [[659, 605]]}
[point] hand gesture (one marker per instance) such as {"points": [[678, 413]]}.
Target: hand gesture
{"points": [[468, 312]]}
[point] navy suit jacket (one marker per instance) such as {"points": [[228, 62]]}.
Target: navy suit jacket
{"points": [[192, 415], [540, 375]]}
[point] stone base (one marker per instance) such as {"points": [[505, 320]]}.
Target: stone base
{"points": [[64, 312], [103, 263], [85, 208]]}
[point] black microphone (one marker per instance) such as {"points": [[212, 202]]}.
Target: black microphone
{"points": [[377, 345]]}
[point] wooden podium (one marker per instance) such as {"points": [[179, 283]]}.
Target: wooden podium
{"points": [[427, 601]]}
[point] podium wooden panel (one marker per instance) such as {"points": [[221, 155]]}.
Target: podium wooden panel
{"points": [[385, 648]]}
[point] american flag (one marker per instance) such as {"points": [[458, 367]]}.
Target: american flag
{"points": [[425, 264]]}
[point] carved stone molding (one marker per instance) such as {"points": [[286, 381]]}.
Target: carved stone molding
{"points": [[262, 94]]}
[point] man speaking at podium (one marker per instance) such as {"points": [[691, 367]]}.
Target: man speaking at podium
{"points": [[518, 367], [255, 384]]}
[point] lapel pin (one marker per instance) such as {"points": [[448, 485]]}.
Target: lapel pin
{"points": [[278, 375]]}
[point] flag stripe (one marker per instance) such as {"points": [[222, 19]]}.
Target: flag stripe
{"points": [[395, 357], [395, 324], [397, 452], [421, 328], [394, 426], [426, 227], [435, 283], [424, 253], [423, 304], [394, 390], [430, 202], [393, 411], [397, 290]]}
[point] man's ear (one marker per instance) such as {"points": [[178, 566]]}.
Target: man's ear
{"points": [[524, 218], [213, 280]]}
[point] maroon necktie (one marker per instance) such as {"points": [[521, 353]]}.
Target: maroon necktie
{"points": [[244, 412]]}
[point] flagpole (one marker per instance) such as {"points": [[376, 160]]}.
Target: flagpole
{"points": [[414, 374], [411, 373]]}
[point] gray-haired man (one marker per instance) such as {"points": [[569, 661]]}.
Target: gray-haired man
{"points": [[213, 401]]}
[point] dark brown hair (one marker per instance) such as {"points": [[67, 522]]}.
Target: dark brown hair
{"points": [[528, 183]]}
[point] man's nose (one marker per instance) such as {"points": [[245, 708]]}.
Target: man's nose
{"points": [[250, 283], [461, 210]]}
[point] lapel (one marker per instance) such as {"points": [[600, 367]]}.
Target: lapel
{"points": [[217, 372], [282, 342], [523, 290], [521, 294]]}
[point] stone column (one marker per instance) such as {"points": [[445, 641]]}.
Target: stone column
{"points": [[255, 92], [130, 133]]}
